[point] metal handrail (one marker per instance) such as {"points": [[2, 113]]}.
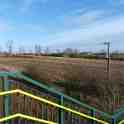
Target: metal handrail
{"points": [[53, 91], [82, 115]]}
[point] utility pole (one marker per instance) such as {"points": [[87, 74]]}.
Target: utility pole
{"points": [[108, 59]]}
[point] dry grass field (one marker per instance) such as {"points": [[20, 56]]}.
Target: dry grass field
{"points": [[91, 74], [52, 69]]}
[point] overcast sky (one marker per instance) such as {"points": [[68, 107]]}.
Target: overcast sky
{"points": [[62, 23]]}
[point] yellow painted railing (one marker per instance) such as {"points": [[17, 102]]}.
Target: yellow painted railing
{"points": [[82, 115], [121, 122], [19, 115]]}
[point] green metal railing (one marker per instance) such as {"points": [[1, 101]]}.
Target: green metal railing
{"points": [[42, 100], [67, 109]]}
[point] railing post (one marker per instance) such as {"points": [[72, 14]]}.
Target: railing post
{"points": [[7, 104], [93, 115], [61, 114], [113, 120]]}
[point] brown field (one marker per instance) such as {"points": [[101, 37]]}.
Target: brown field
{"points": [[58, 68], [90, 73]]}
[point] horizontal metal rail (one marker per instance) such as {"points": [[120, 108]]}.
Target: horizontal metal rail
{"points": [[82, 115], [19, 115]]}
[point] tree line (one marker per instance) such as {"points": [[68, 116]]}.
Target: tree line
{"points": [[38, 50]]}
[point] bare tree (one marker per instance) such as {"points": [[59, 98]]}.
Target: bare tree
{"points": [[76, 51], [68, 51], [21, 50], [0, 50], [9, 46], [30, 51], [38, 49], [58, 51], [47, 51]]}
